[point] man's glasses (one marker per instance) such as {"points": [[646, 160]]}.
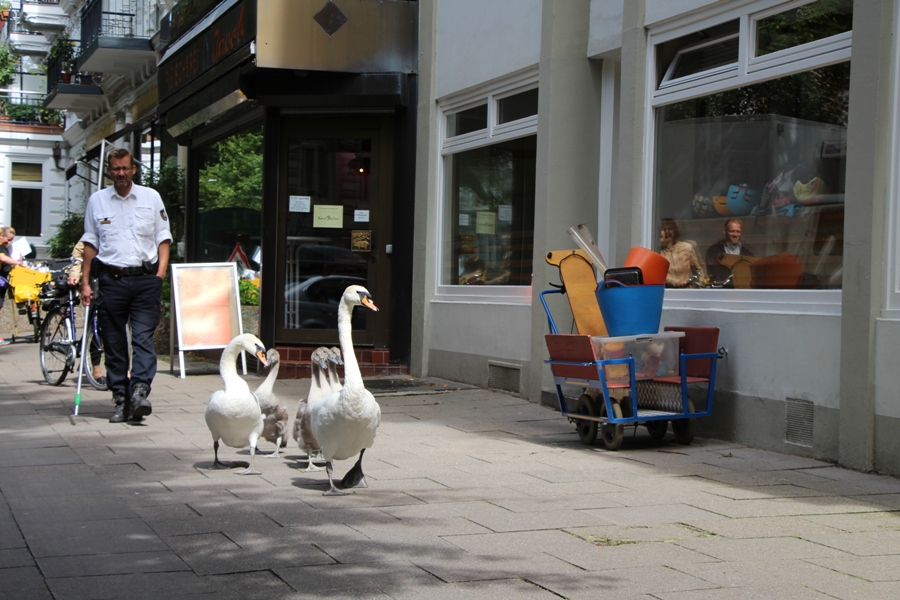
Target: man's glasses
{"points": [[120, 169]]}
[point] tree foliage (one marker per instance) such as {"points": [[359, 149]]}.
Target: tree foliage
{"points": [[67, 235], [168, 180], [233, 173]]}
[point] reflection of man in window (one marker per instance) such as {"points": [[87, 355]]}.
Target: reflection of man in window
{"points": [[730, 245]]}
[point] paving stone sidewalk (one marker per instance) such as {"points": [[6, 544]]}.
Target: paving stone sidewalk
{"points": [[473, 494]]}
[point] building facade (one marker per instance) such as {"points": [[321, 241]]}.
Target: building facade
{"points": [[780, 114]]}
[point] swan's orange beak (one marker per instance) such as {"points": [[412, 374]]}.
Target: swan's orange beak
{"points": [[261, 355], [366, 301]]}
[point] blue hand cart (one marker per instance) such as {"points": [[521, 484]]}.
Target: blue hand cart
{"points": [[632, 381]]}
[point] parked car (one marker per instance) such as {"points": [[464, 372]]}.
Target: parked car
{"points": [[313, 303], [329, 260]]}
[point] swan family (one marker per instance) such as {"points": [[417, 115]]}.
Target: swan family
{"points": [[335, 421]]}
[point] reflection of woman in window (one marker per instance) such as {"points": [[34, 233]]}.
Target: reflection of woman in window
{"points": [[683, 262]]}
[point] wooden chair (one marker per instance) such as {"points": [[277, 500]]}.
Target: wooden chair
{"points": [[580, 285]]}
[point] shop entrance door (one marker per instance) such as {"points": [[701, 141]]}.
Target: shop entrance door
{"points": [[335, 206]]}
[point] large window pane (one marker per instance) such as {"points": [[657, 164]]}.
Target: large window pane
{"points": [[772, 155], [490, 215], [26, 211], [802, 25]]}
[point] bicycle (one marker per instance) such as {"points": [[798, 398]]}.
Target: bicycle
{"points": [[60, 345]]}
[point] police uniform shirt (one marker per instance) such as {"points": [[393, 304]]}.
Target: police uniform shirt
{"points": [[126, 231]]}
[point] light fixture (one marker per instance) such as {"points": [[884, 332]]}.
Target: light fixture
{"points": [[359, 165]]}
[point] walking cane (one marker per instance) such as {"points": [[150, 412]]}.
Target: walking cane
{"points": [[84, 338]]}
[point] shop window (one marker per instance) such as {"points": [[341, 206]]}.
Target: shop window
{"points": [[750, 179], [802, 25], [488, 192], [490, 214], [229, 199]]}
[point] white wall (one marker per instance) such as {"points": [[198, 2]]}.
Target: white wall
{"points": [[498, 331], [606, 27], [481, 40], [31, 147], [660, 10]]}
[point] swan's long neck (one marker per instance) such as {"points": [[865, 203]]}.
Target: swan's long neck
{"points": [[265, 388], [227, 368], [352, 376]]}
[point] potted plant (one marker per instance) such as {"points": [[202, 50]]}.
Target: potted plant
{"points": [[63, 50]]}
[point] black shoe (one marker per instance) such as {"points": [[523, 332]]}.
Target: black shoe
{"points": [[140, 406], [122, 413]]}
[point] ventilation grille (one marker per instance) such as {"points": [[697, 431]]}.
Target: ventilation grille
{"points": [[504, 377], [798, 427]]}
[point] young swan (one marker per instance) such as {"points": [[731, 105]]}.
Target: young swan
{"points": [[233, 415], [344, 422], [318, 388], [275, 414]]}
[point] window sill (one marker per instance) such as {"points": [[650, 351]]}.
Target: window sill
{"points": [[784, 302], [483, 294]]}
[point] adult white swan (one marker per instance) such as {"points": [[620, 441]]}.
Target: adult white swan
{"points": [[233, 415], [344, 422], [275, 414]]}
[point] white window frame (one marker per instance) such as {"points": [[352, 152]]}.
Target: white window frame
{"points": [[450, 145], [891, 302], [31, 185], [749, 70]]}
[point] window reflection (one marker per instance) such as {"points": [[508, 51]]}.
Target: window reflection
{"points": [[772, 154]]}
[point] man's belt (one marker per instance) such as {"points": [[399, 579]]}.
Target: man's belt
{"points": [[119, 272]]}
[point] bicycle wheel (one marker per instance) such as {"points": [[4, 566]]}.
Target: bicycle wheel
{"points": [[93, 357], [56, 344]]}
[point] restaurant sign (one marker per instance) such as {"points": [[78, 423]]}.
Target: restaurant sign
{"points": [[225, 36]]}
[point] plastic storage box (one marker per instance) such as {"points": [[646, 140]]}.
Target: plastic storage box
{"points": [[654, 355]]}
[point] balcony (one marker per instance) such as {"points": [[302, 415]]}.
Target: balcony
{"points": [[115, 36], [43, 15], [23, 108], [22, 41], [77, 93]]}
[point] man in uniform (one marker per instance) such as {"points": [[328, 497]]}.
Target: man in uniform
{"points": [[126, 230]]}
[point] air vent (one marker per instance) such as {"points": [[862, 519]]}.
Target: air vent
{"points": [[798, 426], [504, 377]]}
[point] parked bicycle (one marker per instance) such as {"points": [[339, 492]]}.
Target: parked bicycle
{"points": [[60, 344]]}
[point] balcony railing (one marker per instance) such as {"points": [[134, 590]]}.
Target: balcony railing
{"points": [[121, 19], [27, 108]]}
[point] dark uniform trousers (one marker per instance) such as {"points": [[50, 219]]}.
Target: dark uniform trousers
{"points": [[136, 300]]}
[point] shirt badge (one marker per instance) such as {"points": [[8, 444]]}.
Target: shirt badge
{"points": [[105, 221], [162, 214]]}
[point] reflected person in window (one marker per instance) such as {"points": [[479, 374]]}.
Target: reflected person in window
{"points": [[731, 244], [683, 261]]}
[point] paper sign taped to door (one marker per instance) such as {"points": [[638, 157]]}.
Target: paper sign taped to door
{"points": [[328, 215], [485, 222]]}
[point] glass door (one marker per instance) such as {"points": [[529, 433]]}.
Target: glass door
{"points": [[335, 202]]}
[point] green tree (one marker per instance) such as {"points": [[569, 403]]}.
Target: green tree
{"points": [[232, 175], [67, 235], [9, 66], [168, 180]]}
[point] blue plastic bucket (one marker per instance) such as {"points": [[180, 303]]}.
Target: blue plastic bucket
{"points": [[630, 309]]}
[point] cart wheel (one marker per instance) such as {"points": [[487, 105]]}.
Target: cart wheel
{"points": [[612, 434], [625, 405], [657, 429], [684, 428], [587, 430]]}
